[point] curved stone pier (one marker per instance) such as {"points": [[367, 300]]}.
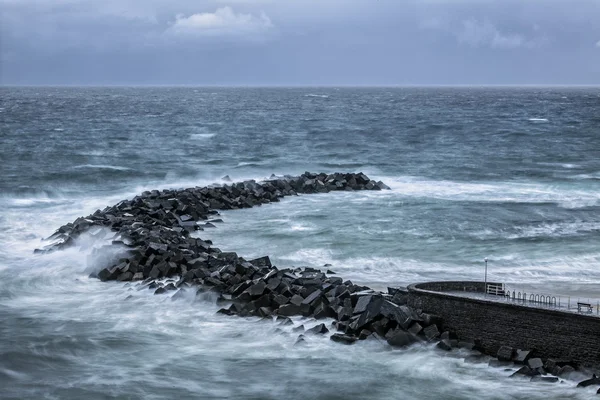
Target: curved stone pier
{"points": [[552, 333]]}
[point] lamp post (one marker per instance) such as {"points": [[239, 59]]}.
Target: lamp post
{"points": [[485, 277]]}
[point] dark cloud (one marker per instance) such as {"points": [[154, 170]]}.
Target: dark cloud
{"points": [[299, 42]]}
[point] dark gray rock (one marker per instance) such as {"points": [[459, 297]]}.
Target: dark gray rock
{"points": [[342, 338], [521, 356], [431, 332], [288, 310], [319, 329], [444, 344], [594, 380], [505, 353], [400, 338], [548, 379], [500, 363], [535, 363], [566, 371], [525, 371]]}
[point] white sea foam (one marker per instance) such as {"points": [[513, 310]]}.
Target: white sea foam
{"points": [[538, 119], [323, 96], [517, 192], [201, 136], [101, 166]]}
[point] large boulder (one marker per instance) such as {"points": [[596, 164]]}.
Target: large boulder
{"points": [[400, 338]]}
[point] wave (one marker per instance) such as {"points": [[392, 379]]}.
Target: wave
{"points": [[101, 166], [323, 96], [547, 230], [538, 119], [497, 192], [199, 136]]}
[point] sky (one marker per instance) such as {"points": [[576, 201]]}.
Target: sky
{"points": [[299, 42]]}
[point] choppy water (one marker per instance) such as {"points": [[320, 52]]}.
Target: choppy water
{"points": [[511, 174]]}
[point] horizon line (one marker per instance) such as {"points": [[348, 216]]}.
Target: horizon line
{"points": [[466, 85]]}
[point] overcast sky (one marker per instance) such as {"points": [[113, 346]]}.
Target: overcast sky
{"points": [[299, 42]]}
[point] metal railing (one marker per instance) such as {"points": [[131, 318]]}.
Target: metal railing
{"points": [[582, 306]]}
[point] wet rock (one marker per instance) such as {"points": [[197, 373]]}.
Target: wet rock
{"points": [[594, 380], [521, 356], [282, 320], [548, 379], [566, 371], [320, 329], [535, 363], [400, 338], [444, 344], [500, 363], [365, 333], [525, 371], [505, 353], [296, 300], [288, 310], [342, 338], [469, 345], [431, 332], [261, 262], [415, 328]]}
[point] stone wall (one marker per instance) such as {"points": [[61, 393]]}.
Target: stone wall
{"points": [[552, 333]]}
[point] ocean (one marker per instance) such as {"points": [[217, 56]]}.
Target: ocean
{"points": [[511, 174]]}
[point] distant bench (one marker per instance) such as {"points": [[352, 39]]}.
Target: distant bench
{"points": [[586, 307]]}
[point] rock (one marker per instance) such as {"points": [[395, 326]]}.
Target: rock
{"points": [[288, 310], [505, 353], [540, 378], [594, 380], [566, 371], [535, 363], [282, 320], [525, 371], [466, 345], [320, 329], [296, 300], [361, 304], [444, 344], [160, 290], [261, 262], [365, 333], [257, 289], [500, 363], [415, 328], [400, 338], [342, 338], [521, 356], [431, 332]]}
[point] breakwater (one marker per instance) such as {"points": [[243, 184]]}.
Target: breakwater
{"points": [[156, 230], [553, 334]]}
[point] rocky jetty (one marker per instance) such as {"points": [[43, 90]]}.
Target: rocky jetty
{"points": [[161, 254], [155, 228]]}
